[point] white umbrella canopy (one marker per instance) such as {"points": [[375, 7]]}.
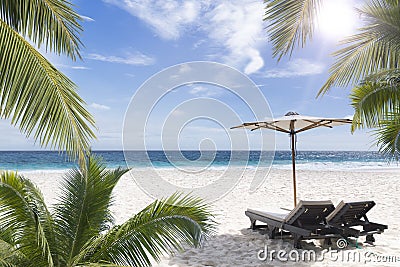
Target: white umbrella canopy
{"points": [[293, 123]]}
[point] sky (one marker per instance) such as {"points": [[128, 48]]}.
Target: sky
{"points": [[130, 42]]}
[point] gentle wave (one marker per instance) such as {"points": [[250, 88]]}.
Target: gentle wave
{"points": [[346, 166], [49, 161]]}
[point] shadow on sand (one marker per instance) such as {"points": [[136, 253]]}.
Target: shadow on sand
{"points": [[247, 248]]}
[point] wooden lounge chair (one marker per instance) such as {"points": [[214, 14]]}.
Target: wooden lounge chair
{"points": [[347, 216], [305, 221]]}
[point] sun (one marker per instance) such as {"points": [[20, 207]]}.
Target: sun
{"points": [[337, 19]]}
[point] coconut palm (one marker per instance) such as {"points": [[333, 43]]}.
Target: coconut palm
{"points": [[80, 229], [376, 103], [37, 98], [369, 59]]}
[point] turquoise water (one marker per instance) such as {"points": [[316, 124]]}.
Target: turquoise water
{"points": [[50, 160]]}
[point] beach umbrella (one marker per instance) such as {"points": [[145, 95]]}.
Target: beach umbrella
{"points": [[293, 123]]}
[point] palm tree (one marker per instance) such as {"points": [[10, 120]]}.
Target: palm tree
{"points": [[376, 103], [34, 95], [80, 230], [369, 59]]}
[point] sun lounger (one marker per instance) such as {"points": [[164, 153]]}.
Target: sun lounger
{"points": [[348, 216], [305, 221]]}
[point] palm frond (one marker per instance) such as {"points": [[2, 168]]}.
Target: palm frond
{"points": [[372, 102], [376, 47], [290, 23], [43, 213], [162, 227], [19, 216], [392, 2], [388, 136], [39, 99], [10, 256], [389, 76], [83, 210], [376, 104], [51, 23]]}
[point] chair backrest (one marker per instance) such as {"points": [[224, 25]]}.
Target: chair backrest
{"points": [[347, 213], [310, 212]]}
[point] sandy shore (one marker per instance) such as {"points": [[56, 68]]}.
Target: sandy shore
{"points": [[236, 245]]}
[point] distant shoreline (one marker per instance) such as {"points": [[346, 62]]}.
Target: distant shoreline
{"points": [[218, 160], [240, 168]]}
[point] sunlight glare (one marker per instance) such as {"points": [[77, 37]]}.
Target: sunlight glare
{"points": [[337, 19]]}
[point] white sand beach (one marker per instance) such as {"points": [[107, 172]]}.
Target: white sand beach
{"points": [[236, 245]]}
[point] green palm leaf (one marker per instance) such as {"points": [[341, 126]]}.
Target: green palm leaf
{"points": [[83, 211], [160, 228], [388, 135], [50, 22], [39, 99], [10, 256], [82, 231], [372, 102], [375, 48], [20, 219], [389, 76], [376, 104], [290, 23]]}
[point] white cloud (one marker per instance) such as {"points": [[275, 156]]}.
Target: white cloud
{"points": [[64, 66], [334, 97], [234, 27], [184, 68], [167, 18], [132, 59], [199, 43], [99, 106], [295, 68], [256, 62], [177, 112], [86, 18], [130, 75], [204, 91], [237, 26], [79, 68]]}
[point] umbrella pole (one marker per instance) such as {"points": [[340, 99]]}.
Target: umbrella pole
{"points": [[294, 168]]}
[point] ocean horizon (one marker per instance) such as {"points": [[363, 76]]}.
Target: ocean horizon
{"points": [[306, 160]]}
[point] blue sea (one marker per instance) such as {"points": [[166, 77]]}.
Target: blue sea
{"points": [[312, 160]]}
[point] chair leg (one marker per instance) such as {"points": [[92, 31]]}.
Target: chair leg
{"points": [[370, 239], [327, 241], [271, 232], [297, 241], [252, 224]]}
